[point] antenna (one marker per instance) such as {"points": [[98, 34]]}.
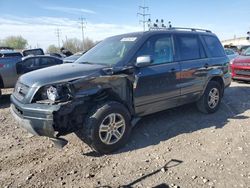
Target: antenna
{"points": [[142, 13], [58, 33], [83, 23]]}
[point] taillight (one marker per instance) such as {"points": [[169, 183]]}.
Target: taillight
{"points": [[1, 66]]}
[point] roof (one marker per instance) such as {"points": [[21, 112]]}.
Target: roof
{"points": [[168, 30]]}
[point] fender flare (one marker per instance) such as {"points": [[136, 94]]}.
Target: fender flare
{"points": [[216, 75]]}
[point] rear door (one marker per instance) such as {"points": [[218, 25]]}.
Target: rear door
{"points": [[194, 65], [28, 65], [156, 86]]}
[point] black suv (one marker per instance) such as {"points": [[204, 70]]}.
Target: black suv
{"points": [[106, 91]]}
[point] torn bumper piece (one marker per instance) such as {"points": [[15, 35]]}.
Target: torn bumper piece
{"points": [[35, 118]]}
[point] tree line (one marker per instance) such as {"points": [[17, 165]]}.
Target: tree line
{"points": [[73, 44]]}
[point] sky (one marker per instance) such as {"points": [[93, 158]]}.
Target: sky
{"points": [[37, 20]]}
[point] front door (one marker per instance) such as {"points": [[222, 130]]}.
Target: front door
{"points": [[156, 86]]}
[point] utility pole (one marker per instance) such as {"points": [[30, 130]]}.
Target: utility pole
{"points": [[58, 33], [83, 23], [143, 13]]}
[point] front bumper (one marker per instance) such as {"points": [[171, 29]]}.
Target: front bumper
{"points": [[240, 72], [35, 118]]}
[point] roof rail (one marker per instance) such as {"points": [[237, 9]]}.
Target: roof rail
{"points": [[179, 28]]}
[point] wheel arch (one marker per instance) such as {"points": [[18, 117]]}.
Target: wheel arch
{"points": [[216, 78], [108, 94]]}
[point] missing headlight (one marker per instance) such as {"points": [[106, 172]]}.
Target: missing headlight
{"points": [[54, 93]]}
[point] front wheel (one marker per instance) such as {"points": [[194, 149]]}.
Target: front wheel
{"points": [[107, 127], [210, 100]]}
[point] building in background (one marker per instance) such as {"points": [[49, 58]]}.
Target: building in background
{"points": [[240, 41]]}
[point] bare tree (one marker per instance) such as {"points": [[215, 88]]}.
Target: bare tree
{"points": [[52, 49], [75, 45]]}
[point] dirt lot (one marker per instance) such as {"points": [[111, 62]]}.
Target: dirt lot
{"points": [[175, 148]]}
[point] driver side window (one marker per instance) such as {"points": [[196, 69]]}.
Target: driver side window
{"points": [[159, 48]]}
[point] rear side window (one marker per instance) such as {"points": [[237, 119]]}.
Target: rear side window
{"points": [[189, 47], [214, 46]]}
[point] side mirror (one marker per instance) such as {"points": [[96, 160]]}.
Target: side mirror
{"points": [[143, 61]]}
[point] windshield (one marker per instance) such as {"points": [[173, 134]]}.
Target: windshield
{"points": [[109, 52], [247, 52], [229, 52]]}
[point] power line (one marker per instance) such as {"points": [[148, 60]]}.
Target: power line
{"points": [[143, 13], [58, 33], [83, 23]]}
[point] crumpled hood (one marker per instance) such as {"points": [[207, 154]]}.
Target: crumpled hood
{"points": [[60, 73]]}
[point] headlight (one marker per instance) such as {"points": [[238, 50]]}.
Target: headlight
{"points": [[52, 93], [231, 62]]}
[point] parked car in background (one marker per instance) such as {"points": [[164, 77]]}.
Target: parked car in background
{"points": [[59, 55], [240, 66], [232, 47], [107, 90], [73, 58], [6, 48], [242, 48], [231, 54], [12, 67], [35, 51], [10, 54]]}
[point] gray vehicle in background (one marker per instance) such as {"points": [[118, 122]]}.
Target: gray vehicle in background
{"points": [[73, 58], [13, 65]]}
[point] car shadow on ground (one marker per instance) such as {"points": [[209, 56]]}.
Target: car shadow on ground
{"points": [[161, 126], [153, 129], [5, 101]]}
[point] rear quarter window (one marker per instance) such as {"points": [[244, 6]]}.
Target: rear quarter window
{"points": [[189, 47], [214, 46]]}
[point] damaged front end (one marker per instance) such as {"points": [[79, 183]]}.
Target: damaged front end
{"points": [[60, 109]]}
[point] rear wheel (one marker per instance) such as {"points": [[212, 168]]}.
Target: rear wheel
{"points": [[210, 100], [107, 127]]}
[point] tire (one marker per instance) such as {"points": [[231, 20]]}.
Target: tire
{"points": [[211, 99], [104, 121]]}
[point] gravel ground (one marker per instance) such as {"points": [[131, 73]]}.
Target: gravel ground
{"points": [[175, 148]]}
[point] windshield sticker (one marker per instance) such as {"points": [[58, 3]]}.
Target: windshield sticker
{"points": [[128, 39]]}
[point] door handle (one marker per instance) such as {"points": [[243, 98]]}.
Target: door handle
{"points": [[206, 65]]}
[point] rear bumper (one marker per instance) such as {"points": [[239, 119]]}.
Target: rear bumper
{"points": [[35, 118], [227, 79]]}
